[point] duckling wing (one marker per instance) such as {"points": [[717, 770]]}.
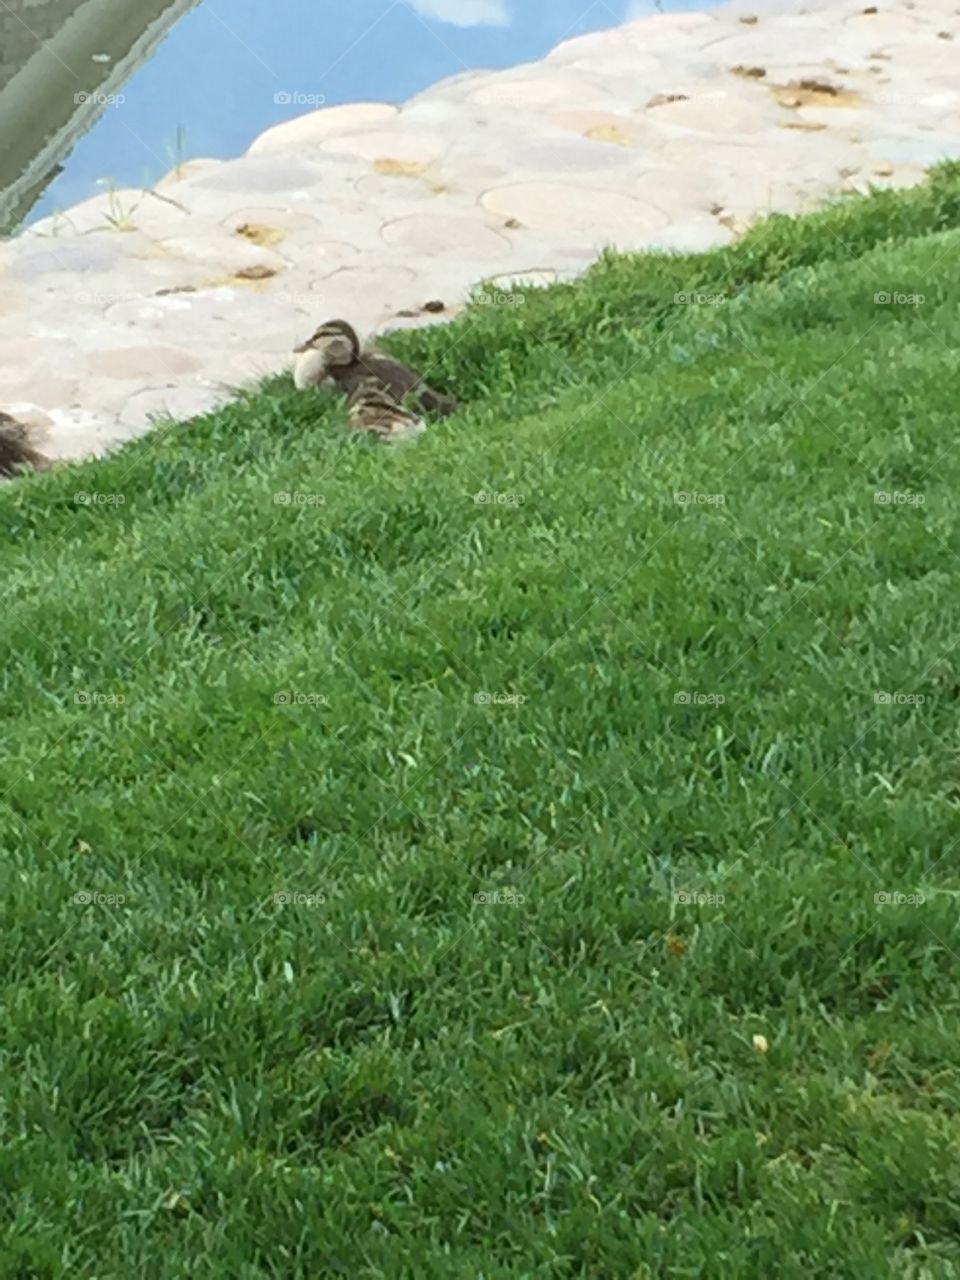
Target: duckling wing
{"points": [[403, 382], [396, 377], [400, 381]]}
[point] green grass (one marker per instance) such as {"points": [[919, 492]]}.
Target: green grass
{"points": [[211, 697]]}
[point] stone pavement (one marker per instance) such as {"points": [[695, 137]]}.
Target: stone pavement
{"points": [[670, 132]]}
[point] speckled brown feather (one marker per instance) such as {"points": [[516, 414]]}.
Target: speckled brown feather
{"points": [[373, 409], [16, 452], [401, 382]]}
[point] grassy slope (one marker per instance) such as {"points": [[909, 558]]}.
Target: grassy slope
{"points": [[399, 1080]]}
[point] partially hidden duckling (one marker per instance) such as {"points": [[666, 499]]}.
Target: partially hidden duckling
{"points": [[372, 408], [334, 352], [16, 452]]}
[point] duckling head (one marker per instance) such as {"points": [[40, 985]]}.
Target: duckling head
{"points": [[333, 345]]}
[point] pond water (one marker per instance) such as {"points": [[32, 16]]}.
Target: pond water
{"points": [[205, 80]]}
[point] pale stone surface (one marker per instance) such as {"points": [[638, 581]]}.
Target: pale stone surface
{"points": [[424, 234], [141, 362], [88, 255], [403, 146], [721, 107], [45, 387], [220, 251], [555, 207], [316, 126], [399, 192], [258, 174], [506, 91], [660, 134], [112, 211], [167, 402], [692, 234], [242, 368], [22, 354], [608, 126], [569, 157], [270, 225], [189, 169]]}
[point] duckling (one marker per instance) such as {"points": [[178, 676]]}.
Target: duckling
{"points": [[16, 452], [334, 344], [334, 352], [371, 407]]}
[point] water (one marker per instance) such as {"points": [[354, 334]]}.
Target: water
{"points": [[207, 79]]}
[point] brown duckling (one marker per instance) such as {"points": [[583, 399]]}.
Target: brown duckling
{"points": [[334, 352], [372, 408], [16, 452]]}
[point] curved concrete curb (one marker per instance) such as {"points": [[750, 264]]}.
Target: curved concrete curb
{"points": [[671, 132]]}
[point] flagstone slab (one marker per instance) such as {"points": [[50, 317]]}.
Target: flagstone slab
{"points": [[315, 127], [607, 126], [405, 148], [86, 256], [506, 92], [571, 157], [145, 407], [114, 212], [141, 362], [381, 288], [181, 173], [425, 234], [258, 173], [722, 107], [554, 206]]}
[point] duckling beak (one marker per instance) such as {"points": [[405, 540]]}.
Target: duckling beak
{"points": [[310, 368]]}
